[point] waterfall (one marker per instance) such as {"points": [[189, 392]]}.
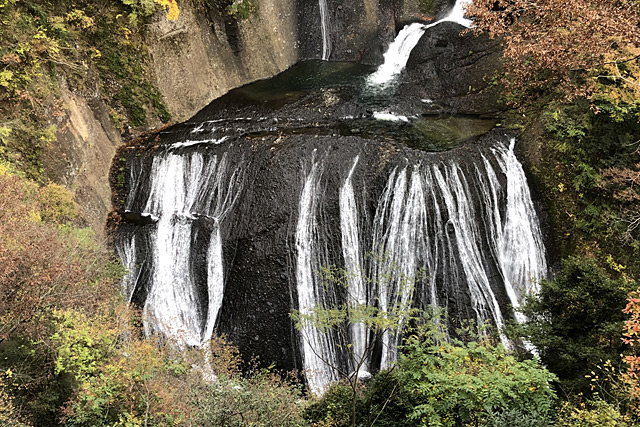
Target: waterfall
{"points": [[401, 240], [466, 225], [459, 233], [215, 280], [189, 195], [398, 52], [444, 232], [172, 307], [357, 291], [226, 224], [455, 230], [324, 25], [318, 349], [521, 234], [126, 250], [457, 14]]}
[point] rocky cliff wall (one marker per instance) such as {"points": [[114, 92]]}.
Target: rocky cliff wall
{"points": [[206, 51]]}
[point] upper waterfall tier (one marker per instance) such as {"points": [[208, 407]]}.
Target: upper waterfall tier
{"points": [[398, 52]]}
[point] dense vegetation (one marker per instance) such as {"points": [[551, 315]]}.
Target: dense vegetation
{"points": [[91, 48], [71, 351], [572, 77]]}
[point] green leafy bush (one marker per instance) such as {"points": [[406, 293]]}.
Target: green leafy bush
{"points": [[454, 384], [441, 382], [261, 398], [593, 413], [576, 321]]}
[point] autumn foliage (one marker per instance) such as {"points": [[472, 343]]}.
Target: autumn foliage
{"points": [[632, 337], [72, 351], [171, 7], [570, 45], [45, 266]]}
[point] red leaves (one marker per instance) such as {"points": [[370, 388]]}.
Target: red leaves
{"points": [[631, 336]]}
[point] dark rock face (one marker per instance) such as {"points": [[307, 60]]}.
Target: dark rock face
{"points": [[456, 69], [262, 141], [360, 30]]}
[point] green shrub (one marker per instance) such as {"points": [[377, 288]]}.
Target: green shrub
{"points": [[262, 398], [333, 409], [520, 418], [576, 321], [593, 413], [454, 384]]}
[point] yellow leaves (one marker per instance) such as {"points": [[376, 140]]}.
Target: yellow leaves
{"points": [[56, 204], [5, 77], [78, 18], [34, 216], [172, 8], [614, 265]]}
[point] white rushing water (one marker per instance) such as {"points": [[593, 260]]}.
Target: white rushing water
{"points": [[324, 25], [356, 284], [172, 307], [445, 233], [184, 188], [318, 350], [389, 117], [429, 219], [457, 14], [400, 239], [126, 250], [520, 235], [398, 52]]}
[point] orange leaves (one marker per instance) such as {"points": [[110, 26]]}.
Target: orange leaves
{"points": [[631, 336]]}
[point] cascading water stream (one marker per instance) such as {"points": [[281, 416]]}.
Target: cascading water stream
{"points": [[324, 25], [457, 14], [400, 238], [172, 307], [458, 199], [442, 232], [318, 350], [520, 235], [127, 253], [184, 189], [357, 291], [398, 52]]}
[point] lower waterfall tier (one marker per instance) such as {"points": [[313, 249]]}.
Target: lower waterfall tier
{"points": [[230, 236]]}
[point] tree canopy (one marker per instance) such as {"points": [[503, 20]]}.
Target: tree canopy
{"points": [[573, 46]]}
